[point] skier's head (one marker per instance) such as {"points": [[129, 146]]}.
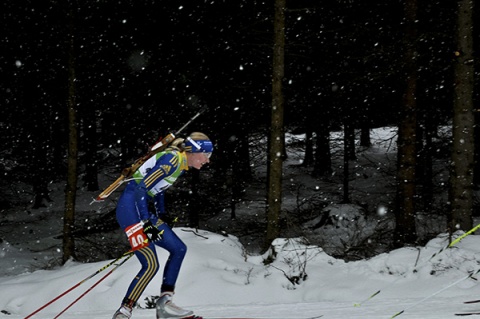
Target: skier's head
{"points": [[199, 148], [198, 143]]}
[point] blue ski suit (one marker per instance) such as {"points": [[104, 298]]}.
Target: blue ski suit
{"points": [[148, 184]]}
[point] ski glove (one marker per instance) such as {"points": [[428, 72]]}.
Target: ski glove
{"points": [[152, 232]]}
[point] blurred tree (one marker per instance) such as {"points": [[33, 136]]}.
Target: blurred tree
{"points": [[461, 176], [323, 157], [276, 137], [38, 75], [365, 136], [71, 188], [435, 25], [348, 154], [405, 232], [90, 145]]}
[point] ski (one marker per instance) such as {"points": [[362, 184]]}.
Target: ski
{"points": [[127, 172], [199, 317], [468, 313], [472, 301]]}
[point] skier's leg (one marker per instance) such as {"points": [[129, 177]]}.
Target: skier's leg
{"points": [[177, 249], [149, 261]]}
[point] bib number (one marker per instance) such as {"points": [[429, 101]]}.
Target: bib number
{"points": [[136, 236]]}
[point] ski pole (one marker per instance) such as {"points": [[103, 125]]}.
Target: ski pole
{"points": [[94, 285], [79, 283], [470, 275], [454, 242], [457, 240]]}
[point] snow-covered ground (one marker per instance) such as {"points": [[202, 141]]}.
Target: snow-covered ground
{"points": [[219, 280], [222, 278]]}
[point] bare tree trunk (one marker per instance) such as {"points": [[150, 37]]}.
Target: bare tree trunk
{"points": [[308, 159], [323, 157], [349, 139], [365, 136], [71, 189], [405, 197], [427, 177], [461, 176], [347, 130], [40, 160], [90, 137], [277, 142]]}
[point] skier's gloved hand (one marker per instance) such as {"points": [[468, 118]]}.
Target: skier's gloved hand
{"points": [[151, 231]]}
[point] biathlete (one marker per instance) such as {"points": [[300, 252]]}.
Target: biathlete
{"points": [[146, 229]]}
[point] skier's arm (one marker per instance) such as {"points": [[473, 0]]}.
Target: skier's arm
{"points": [[141, 201], [162, 169], [161, 212], [160, 203]]}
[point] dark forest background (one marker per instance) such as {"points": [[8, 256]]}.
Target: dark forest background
{"points": [[143, 68]]}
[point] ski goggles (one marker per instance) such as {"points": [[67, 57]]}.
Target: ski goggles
{"points": [[199, 146]]}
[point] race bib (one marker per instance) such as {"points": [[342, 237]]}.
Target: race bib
{"points": [[136, 236]]}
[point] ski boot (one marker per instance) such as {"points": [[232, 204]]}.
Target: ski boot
{"points": [[124, 312], [166, 309]]}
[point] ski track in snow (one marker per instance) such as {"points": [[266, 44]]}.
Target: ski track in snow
{"points": [[440, 309]]}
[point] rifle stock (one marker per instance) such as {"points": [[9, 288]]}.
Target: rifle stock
{"points": [[127, 172]]}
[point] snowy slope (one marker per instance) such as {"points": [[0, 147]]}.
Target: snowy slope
{"points": [[219, 279]]}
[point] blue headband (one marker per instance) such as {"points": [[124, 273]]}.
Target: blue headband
{"points": [[198, 146]]}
